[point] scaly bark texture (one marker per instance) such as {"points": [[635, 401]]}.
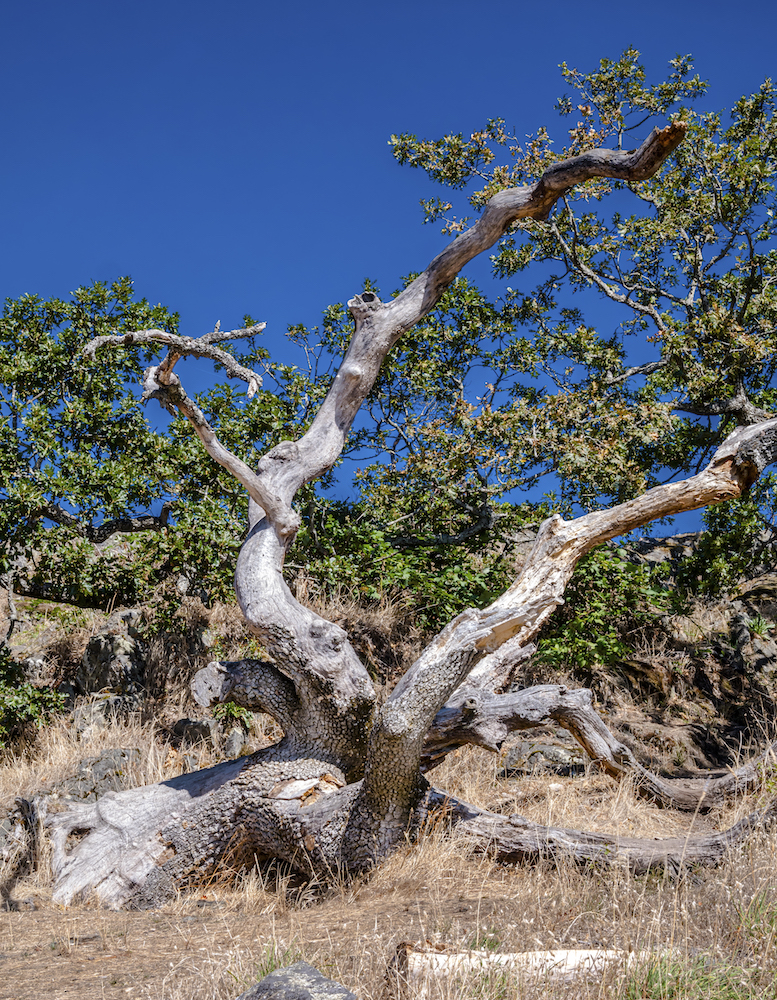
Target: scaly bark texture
{"points": [[345, 784]]}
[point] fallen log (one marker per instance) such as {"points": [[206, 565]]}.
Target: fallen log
{"points": [[414, 968]]}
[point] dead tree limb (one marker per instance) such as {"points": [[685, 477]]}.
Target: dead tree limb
{"points": [[515, 839]]}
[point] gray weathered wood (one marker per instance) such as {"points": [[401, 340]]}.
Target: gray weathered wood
{"points": [[485, 719], [344, 784], [515, 839]]}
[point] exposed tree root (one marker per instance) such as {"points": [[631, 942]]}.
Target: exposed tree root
{"points": [[137, 848]]}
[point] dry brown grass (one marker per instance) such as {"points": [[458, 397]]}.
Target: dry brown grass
{"points": [[216, 947], [593, 801], [59, 749], [214, 943]]}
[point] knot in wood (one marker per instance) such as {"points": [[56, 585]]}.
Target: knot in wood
{"points": [[284, 451], [351, 372], [754, 455], [469, 707], [360, 305], [394, 722], [289, 525], [327, 636], [622, 755]]}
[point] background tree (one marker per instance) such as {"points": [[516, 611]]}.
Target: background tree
{"points": [[85, 476], [458, 439], [692, 273]]}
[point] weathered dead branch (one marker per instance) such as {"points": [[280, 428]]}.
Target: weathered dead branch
{"points": [[515, 839]]}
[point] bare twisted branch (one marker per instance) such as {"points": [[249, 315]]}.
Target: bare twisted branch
{"points": [[98, 533], [163, 384], [195, 347]]}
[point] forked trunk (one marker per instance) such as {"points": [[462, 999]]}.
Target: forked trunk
{"points": [[345, 783]]}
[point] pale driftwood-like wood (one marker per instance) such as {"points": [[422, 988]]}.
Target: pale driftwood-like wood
{"points": [[416, 967], [197, 347], [137, 848], [520, 612], [118, 860], [344, 784]]}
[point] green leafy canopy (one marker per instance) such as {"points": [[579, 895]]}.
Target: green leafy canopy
{"points": [[491, 414]]}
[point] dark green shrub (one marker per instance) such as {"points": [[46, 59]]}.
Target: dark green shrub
{"points": [[23, 706]]}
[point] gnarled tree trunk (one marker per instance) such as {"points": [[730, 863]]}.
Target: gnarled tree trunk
{"points": [[345, 783]]}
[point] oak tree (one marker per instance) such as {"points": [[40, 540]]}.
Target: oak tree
{"points": [[694, 274]]}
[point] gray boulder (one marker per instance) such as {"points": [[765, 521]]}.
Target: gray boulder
{"points": [[297, 982], [193, 731], [107, 772], [113, 662], [95, 714], [234, 742], [533, 757]]}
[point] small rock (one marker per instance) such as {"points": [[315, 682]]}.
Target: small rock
{"points": [[297, 982], [193, 731], [531, 757], [764, 654], [234, 743], [34, 667], [209, 638], [125, 618], [68, 690]]}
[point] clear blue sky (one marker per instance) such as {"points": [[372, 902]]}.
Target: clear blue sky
{"points": [[233, 157]]}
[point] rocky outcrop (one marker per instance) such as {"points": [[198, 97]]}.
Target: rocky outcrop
{"points": [[114, 659], [109, 771], [190, 732]]}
